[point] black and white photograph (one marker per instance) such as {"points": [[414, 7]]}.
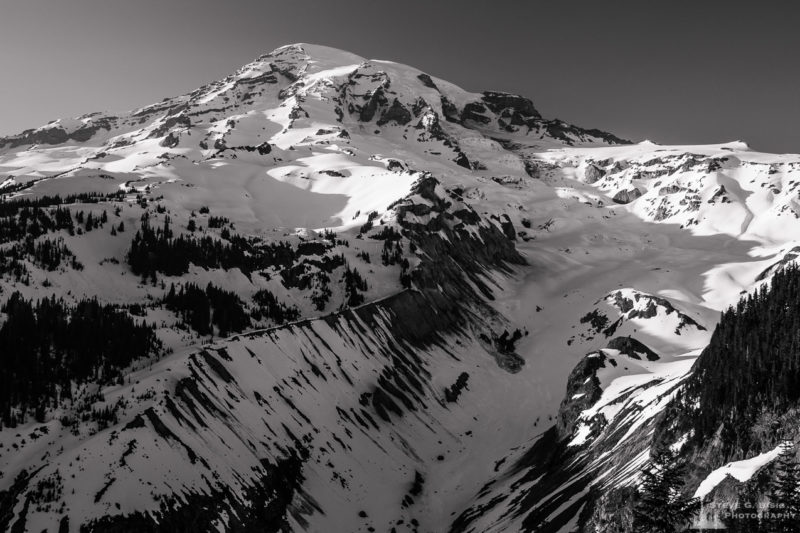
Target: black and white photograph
{"points": [[399, 267]]}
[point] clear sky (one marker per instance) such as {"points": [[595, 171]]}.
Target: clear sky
{"points": [[669, 71]]}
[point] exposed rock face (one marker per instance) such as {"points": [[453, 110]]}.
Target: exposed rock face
{"points": [[463, 161], [507, 226], [520, 106], [513, 111], [583, 391], [461, 251], [648, 306], [475, 112], [593, 174], [55, 135], [397, 113], [558, 129], [721, 195], [632, 348], [172, 122], [670, 189], [376, 99], [170, 141], [450, 110], [627, 196], [427, 81], [458, 246]]}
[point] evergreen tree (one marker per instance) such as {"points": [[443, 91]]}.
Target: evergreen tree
{"points": [[660, 506], [200, 309], [784, 511], [269, 307], [354, 285], [745, 517]]}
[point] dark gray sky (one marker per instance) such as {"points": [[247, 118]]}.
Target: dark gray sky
{"points": [[670, 71]]}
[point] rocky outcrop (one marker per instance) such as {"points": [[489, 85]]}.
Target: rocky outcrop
{"points": [[172, 122], [55, 134], [593, 173], [475, 112], [519, 105], [507, 226], [427, 81], [396, 113], [583, 391], [567, 133], [374, 101], [170, 141], [513, 111], [670, 189], [463, 161], [648, 306], [449, 110], [627, 196], [632, 348]]}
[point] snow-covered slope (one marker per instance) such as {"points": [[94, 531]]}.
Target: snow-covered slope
{"points": [[498, 249]]}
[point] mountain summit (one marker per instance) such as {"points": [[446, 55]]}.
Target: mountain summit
{"points": [[335, 294]]}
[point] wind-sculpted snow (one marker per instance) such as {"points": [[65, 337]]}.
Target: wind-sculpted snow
{"points": [[413, 275]]}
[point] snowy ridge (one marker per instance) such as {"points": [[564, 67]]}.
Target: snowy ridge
{"points": [[217, 417]]}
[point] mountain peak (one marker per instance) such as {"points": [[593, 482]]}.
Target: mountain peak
{"points": [[347, 88], [316, 57]]}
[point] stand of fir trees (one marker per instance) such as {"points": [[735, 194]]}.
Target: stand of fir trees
{"points": [[354, 285], [33, 222], [660, 506], [24, 220], [203, 309], [48, 346], [783, 514], [750, 367], [49, 254], [157, 250], [268, 307], [13, 206]]}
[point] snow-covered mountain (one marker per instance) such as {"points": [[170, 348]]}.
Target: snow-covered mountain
{"points": [[378, 302]]}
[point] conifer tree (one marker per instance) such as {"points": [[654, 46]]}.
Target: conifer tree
{"points": [[660, 507], [784, 511], [745, 517]]}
